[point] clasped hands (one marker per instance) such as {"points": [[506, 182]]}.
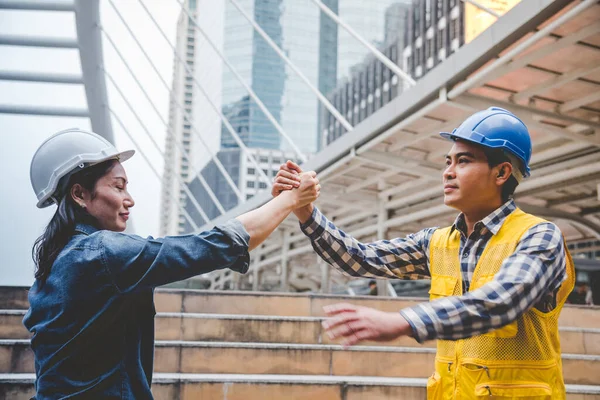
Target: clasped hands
{"points": [[350, 323]]}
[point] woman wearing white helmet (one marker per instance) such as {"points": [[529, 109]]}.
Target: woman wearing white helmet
{"points": [[91, 307]]}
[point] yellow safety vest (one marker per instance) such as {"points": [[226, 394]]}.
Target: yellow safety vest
{"points": [[521, 360]]}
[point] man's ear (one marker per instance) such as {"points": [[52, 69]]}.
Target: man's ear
{"points": [[504, 172]]}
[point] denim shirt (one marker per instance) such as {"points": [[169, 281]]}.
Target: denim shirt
{"points": [[93, 320]]}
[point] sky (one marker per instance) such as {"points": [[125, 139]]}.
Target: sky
{"points": [[20, 135]]}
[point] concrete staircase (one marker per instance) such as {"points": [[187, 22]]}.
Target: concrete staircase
{"points": [[242, 345]]}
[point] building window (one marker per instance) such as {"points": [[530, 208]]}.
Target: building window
{"points": [[427, 13], [262, 185], [429, 48], [251, 171], [263, 159], [250, 184]]}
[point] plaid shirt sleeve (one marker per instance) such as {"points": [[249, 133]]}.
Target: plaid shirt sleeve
{"points": [[536, 268], [401, 258]]}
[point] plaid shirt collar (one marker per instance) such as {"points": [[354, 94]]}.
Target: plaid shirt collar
{"points": [[493, 222]]}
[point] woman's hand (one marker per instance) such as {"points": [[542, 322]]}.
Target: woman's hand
{"points": [[287, 178]]}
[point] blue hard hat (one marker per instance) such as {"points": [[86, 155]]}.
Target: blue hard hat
{"points": [[496, 128]]}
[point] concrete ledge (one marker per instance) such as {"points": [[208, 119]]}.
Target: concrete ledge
{"points": [[276, 329], [294, 359], [166, 378]]}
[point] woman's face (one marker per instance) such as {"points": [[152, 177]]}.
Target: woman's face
{"points": [[110, 202]]}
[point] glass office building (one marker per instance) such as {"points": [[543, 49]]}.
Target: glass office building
{"points": [[323, 52]]}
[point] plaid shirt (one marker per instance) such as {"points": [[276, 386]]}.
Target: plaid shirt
{"points": [[530, 277]]}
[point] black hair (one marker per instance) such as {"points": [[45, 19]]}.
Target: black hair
{"points": [[68, 214], [496, 157]]}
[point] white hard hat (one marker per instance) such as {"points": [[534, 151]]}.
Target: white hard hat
{"points": [[64, 153]]}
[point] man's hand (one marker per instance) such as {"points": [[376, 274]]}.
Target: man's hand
{"points": [[355, 323], [308, 190], [288, 174]]}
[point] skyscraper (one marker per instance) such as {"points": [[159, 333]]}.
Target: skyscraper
{"points": [[310, 39], [179, 137]]}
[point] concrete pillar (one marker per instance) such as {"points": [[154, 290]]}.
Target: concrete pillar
{"points": [[325, 275], [285, 278], [254, 268], [382, 216]]}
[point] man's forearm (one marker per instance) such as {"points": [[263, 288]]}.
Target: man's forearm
{"points": [[304, 213], [260, 223]]}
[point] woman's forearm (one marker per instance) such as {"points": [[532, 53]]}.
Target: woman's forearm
{"points": [[260, 223]]}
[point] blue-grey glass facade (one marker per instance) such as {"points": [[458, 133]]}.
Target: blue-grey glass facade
{"points": [[316, 45], [266, 76], [230, 158], [324, 52]]}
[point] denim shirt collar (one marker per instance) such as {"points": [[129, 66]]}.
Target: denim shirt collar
{"points": [[85, 229], [493, 222]]}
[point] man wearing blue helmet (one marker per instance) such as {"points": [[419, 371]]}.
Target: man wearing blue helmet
{"points": [[499, 276]]}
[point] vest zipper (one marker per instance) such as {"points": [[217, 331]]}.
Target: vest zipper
{"points": [[512, 385], [483, 367], [489, 390]]}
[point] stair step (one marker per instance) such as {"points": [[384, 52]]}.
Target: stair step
{"points": [[310, 359], [311, 305], [283, 304], [276, 329], [295, 387]]}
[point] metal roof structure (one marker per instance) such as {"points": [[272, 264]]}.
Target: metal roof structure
{"points": [[89, 45], [541, 60]]}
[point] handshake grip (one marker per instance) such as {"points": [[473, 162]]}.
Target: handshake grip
{"points": [[304, 186], [309, 189]]}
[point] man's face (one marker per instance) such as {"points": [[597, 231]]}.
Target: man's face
{"points": [[469, 182]]}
